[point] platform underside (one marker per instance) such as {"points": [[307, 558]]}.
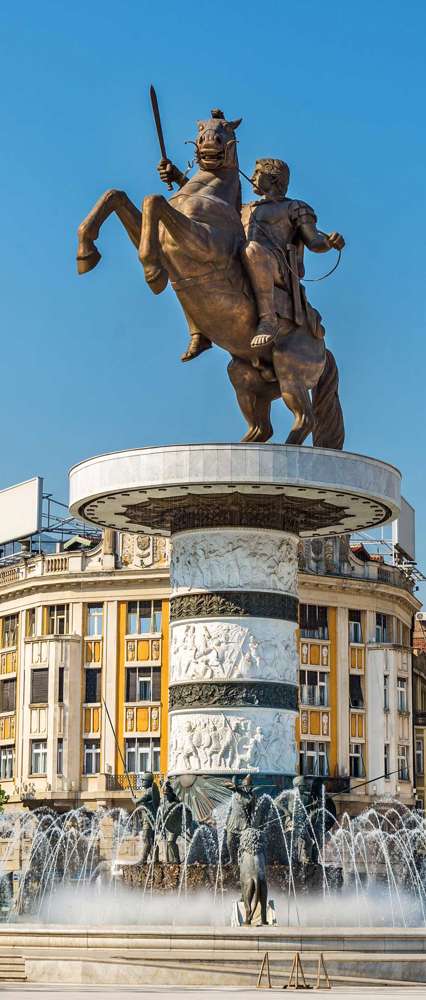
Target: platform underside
{"points": [[305, 491]]}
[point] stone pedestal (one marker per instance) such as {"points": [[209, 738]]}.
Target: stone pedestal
{"points": [[233, 673], [235, 514]]}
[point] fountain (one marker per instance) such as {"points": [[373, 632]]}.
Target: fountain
{"points": [[232, 819]]}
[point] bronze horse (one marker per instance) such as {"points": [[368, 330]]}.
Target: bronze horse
{"points": [[194, 240]]}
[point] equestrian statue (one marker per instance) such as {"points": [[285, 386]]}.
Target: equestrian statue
{"points": [[236, 270]]}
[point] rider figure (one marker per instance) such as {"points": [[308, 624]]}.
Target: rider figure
{"points": [[277, 230]]}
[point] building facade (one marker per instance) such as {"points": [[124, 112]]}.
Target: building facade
{"points": [[419, 706], [84, 653]]}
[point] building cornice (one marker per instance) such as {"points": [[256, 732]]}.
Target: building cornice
{"points": [[358, 585]]}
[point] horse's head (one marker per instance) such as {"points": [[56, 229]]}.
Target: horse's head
{"points": [[216, 143]]}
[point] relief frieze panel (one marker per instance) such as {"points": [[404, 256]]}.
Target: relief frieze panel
{"points": [[255, 560], [258, 649], [257, 740]]}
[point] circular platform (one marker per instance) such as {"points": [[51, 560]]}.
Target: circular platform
{"points": [[308, 491]]}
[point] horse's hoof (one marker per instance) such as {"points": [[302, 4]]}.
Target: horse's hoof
{"points": [[87, 261], [157, 279], [258, 433]]}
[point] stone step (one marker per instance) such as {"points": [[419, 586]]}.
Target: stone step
{"points": [[12, 968]]}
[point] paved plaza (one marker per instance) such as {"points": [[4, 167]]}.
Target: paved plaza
{"points": [[105, 992]]}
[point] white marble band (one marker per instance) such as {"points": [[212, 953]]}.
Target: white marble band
{"points": [[257, 649], [259, 740], [234, 559]]}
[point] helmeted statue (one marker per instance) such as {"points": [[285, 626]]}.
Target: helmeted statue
{"points": [[174, 821], [236, 272], [308, 815], [241, 813], [150, 800]]}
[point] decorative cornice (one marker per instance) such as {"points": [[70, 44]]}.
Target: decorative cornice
{"points": [[235, 604], [260, 694]]}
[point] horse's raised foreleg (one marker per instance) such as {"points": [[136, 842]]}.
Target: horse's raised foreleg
{"points": [[112, 201], [254, 396], [193, 238]]}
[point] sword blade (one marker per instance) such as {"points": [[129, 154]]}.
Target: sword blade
{"points": [[157, 119], [159, 127]]}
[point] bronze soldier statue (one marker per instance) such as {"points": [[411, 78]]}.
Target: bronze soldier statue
{"points": [[277, 231], [241, 812], [150, 799]]}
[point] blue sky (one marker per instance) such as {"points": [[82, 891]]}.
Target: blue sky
{"points": [[91, 364]]}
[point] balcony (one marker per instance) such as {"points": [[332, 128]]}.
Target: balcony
{"points": [[120, 782]]}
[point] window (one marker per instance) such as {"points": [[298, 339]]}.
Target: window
{"points": [[382, 627], [6, 762], [30, 623], [8, 695], [142, 755], [61, 685], [313, 758], [58, 619], [60, 757], [355, 630], [313, 687], [403, 772], [92, 692], [406, 636], [143, 616], [92, 757], [94, 619], [397, 631], [356, 761], [38, 757], [39, 686], [9, 630], [313, 621], [402, 694], [386, 760], [420, 766], [356, 697], [143, 684], [386, 692]]}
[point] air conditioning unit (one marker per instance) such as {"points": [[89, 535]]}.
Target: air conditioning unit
{"points": [[421, 616]]}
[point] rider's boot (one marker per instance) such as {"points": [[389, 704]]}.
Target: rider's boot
{"points": [[266, 331], [197, 344]]}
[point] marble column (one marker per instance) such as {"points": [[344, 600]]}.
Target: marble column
{"points": [[234, 662]]}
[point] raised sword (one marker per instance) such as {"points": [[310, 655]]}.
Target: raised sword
{"points": [[159, 127]]}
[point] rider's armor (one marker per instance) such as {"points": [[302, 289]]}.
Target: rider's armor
{"points": [[275, 226]]}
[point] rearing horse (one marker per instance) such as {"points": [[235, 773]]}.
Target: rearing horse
{"points": [[194, 240]]}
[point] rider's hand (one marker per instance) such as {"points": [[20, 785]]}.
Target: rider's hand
{"points": [[168, 172], [336, 241]]}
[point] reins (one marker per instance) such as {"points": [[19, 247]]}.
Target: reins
{"points": [[267, 235], [281, 252]]}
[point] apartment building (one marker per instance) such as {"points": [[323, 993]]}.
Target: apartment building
{"points": [[84, 647]]}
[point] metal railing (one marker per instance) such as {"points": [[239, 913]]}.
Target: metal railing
{"points": [[120, 782]]}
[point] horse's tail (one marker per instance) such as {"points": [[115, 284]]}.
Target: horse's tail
{"points": [[329, 428]]}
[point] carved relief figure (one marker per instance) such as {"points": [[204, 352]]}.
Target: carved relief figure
{"points": [[261, 650], [218, 742], [251, 560]]}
